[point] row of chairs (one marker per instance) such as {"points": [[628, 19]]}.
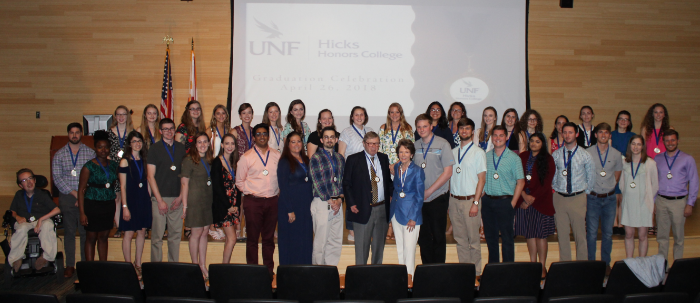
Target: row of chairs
{"points": [[670, 297]]}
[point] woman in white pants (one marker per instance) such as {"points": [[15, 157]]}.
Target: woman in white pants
{"points": [[406, 204]]}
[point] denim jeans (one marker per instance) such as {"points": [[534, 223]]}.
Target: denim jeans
{"points": [[603, 209]]}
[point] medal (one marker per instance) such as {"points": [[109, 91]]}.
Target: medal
{"points": [[209, 182], [567, 164], [393, 150], [633, 185], [306, 179], [495, 164], [495, 176], [74, 160], [139, 167], [335, 179], [306, 172], [564, 173], [528, 167], [208, 171], [172, 160], [423, 150], [331, 159], [461, 156], [657, 150], [634, 173], [393, 137], [376, 179], [371, 162], [32, 219], [669, 176], [121, 142], [120, 153], [459, 170], [29, 203], [402, 194], [603, 173], [265, 172], [173, 168], [107, 185], [402, 178], [73, 173], [422, 165], [528, 177], [602, 162], [264, 162], [140, 185], [657, 136]]}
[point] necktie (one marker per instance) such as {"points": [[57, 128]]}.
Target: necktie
{"points": [[373, 174], [568, 175]]}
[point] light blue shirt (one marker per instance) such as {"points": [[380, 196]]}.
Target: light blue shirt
{"points": [[378, 171], [473, 163], [582, 170]]}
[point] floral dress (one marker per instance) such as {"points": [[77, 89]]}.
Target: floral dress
{"points": [[387, 143], [187, 139], [306, 132]]}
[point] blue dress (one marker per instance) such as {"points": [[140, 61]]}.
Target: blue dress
{"points": [[295, 240], [410, 206], [619, 142], [138, 201]]}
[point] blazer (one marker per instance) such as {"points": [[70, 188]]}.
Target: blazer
{"points": [[541, 191], [409, 207], [358, 187]]}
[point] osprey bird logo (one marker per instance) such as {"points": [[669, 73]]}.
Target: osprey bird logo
{"points": [[273, 31], [467, 83]]}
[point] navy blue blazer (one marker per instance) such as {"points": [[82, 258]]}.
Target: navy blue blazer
{"points": [[409, 207], [357, 187]]}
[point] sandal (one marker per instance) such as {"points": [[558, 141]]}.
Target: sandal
{"points": [[117, 234], [215, 234], [188, 233], [652, 231], [139, 274]]}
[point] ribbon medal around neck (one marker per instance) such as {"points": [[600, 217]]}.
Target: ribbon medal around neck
{"points": [[634, 173], [249, 139], [139, 167], [657, 136], [602, 162], [460, 157], [358, 132], [208, 171], [74, 160], [376, 177], [402, 178], [153, 140], [565, 172], [29, 203], [495, 164], [333, 165], [530, 163], [107, 185], [393, 138], [669, 175], [423, 165], [230, 171], [264, 162], [121, 142], [277, 138], [172, 167], [588, 137], [306, 172]]}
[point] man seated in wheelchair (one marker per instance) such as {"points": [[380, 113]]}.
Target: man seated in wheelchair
{"points": [[33, 210]]}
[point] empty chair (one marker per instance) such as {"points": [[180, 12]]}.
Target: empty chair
{"points": [[431, 300], [387, 283], [308, 283], [177, 300], [585, 299], [683, 277], [349, 301], [662, 297], [17, 297], [513, 299], [572, 278], [445, 280], [622, 281], [165, 279], [510, 279], [239, 281], [109, 278], [262, 300], [101, 298]]}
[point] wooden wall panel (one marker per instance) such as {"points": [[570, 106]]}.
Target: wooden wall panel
{"points": [[77, 57]]}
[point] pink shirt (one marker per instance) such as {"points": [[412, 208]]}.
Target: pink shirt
{"points": [[249, 175], [651, 144]]}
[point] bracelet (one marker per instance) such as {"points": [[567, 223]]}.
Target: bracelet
{"points": [[124, 205]]}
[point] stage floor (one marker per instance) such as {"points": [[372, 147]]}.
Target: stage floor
{"points": [[215, 247]]}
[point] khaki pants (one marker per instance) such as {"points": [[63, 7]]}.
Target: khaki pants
{"points": [[47, 237], [571, 214], [328, 235], [669, 214], [174, 221], [466, 231]]}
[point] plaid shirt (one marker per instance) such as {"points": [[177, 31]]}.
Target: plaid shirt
{"points": [[322, 174], [62, 166]]}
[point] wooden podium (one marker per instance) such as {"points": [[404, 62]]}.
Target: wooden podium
{"points": [[58, 142]]}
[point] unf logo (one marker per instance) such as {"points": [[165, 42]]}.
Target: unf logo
{"points": [[469, 90], [269, 48]]}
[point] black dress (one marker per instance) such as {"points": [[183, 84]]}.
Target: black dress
{"points": [[226, 194], [514, 143], [138, 201], [315, 139], [295, 240]]}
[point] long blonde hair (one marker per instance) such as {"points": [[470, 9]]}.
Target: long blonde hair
{"points": [[213, 122], [483, 124], [404, 125], [129, 123], [145, 131], [266, 119]]}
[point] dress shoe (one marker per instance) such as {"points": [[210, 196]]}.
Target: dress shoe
{"points": [[68, 272]]}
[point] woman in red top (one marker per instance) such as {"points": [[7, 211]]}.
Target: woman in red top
{"points": [[534, 215]]}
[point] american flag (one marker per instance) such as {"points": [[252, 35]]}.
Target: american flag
{"points": [[166, 95]]}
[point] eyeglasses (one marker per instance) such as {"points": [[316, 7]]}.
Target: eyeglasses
{"points": [[623, 119], [262, 134], [532, 120], [456, 110], [169, 129], [27, 179], [121, 115], [136, 142], [372, 143], [195, 109], [328, 137]]}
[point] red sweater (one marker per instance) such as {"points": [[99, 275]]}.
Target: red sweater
{"points": [[541, 192]]}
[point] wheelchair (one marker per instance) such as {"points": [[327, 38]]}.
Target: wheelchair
{"points": [[33, 250]]}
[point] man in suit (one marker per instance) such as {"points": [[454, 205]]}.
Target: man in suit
{"points": [[367, 186]]}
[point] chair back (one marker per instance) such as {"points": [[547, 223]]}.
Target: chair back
{"points": [[511, 279], [571, 278], [661, 297], [239, 281], [683, 277], [622, 282], [308, 283], [585, 299], [432, 300], [169, 279], [177, 300], [109, 278], [445, 280], [262, 300], [514, 299], [18, 297], [102, 298], [349, 301], [387, 283]]}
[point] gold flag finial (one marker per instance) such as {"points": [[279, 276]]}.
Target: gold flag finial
{"points": [[167, 40]]}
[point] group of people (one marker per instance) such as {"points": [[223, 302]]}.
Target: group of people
{"points": [[506, 179]]}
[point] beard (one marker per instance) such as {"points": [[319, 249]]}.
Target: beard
{"points": [[466, 138], [74, 141]]}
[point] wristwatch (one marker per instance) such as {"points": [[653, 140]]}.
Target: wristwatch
{"points": [[476, 202]]}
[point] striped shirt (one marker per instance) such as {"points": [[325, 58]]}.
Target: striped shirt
{"points": [[581, 168], [322, 174], [510, 170], [63, 165], [353, 140]]}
